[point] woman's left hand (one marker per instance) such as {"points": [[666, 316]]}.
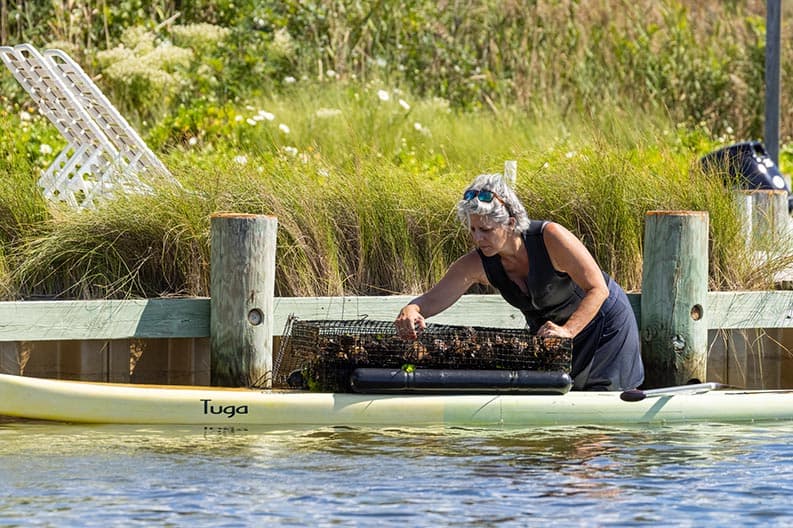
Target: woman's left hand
{"points": [[550, 329]]}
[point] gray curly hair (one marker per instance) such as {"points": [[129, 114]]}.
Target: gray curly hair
{"points": [[496, 210]]}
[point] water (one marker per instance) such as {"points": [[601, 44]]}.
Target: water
{"points": [[703, 475]]}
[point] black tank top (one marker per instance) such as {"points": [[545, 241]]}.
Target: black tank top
{"points": [[552, 295]]}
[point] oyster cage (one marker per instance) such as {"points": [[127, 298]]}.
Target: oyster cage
{"points": [[320, 355]]}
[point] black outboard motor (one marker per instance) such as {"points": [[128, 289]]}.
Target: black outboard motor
{"points": [[749, 162]]}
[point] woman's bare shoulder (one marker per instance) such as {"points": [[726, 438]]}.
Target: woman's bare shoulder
{"points": [[470, 266]]}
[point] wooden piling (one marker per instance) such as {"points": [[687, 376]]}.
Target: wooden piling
{"points": [[242, 282], [764, 215], [674, 330]]}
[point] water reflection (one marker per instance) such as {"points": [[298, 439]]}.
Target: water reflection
{"points": [[91, 475], [562, 445]]}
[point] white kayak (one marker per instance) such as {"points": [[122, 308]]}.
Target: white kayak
{"points": [[107, 403]]}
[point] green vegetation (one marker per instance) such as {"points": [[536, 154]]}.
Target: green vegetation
{"points": [[358, 124]]}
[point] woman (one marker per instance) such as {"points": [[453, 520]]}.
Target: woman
{"points": [[545, 271]]}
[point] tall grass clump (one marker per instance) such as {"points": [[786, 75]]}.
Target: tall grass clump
{"points": [[364, 188], [141, 246]]}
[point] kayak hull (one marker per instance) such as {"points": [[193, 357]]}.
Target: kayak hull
{"points": [[106, 403]]}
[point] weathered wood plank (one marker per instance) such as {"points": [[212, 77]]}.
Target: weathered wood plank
{"points": [[110, 319], [9, 358], [177, 318], [750, 309], [474, 310]]}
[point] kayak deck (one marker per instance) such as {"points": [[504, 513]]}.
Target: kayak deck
{"points": [[87, 402]]}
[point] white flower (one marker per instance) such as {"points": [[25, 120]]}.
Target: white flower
{"points": [[383, 95], [292, 151], [238, 118], [266, 115], [421, 129], [197, 35], [283, 128], [331, 73], [404, 104], [241, 160], [251, 121], [192, 141], [546, 165], [289, 80], [45, 149], [569, 154], [380, 62], [24, 116], [327, 112]]}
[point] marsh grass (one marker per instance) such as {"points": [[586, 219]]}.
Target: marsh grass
{"points": [[132, 246], [365, 198]]}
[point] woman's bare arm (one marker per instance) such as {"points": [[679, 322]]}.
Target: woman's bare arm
{"points": [[461, 275], [569, 255]]}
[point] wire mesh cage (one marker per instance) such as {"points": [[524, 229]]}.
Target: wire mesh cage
{"points": [[320, 355]]}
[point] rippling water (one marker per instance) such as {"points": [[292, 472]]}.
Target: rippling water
{"points": [[703, 475]]}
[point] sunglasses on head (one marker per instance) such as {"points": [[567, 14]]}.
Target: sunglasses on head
{"points": [[483, 195]]}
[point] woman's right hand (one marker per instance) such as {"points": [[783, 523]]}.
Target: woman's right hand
{"points": [[408, 321]]}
